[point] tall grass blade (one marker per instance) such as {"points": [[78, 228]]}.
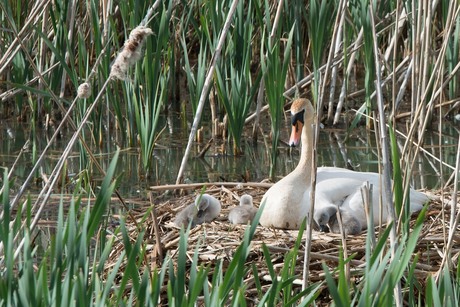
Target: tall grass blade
{"points": [[320, 29], [397, 178], [359, 10], [275, 71], [195, 77], [235, 86], [103, 198]]}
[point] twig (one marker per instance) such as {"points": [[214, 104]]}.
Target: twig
{"points": [[189, 186], [336, 39]]}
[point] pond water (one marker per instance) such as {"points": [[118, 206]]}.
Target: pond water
{"points": [[359, 150]]}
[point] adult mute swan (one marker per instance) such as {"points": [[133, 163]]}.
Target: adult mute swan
{"points": [[205, 209], [288, 201], [244, 213]]}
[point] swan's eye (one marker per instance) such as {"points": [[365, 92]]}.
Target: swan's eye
{"points": [[298, 117]]}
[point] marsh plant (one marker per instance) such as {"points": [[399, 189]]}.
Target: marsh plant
{"points": [[235, 86], [74, 266], [68, 43], [74, 269], [60, 75], [321, 14], [274, 66]]}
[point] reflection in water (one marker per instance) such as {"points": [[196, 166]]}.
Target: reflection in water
{"points": [[359, 150]]}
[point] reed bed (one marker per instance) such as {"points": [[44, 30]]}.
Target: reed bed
{"points": [[106, 71], [210, 249]]}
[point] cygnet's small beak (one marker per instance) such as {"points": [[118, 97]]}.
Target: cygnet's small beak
{"points": [[295, 134], [323, 228]]}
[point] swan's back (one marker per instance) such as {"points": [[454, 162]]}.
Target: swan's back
{"points": [[338, 181]]}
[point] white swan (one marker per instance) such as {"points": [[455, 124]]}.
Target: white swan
{"points": [[287, 202], [205, 209], [244, 213]]}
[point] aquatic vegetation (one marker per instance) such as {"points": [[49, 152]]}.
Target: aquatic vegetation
{"points": [[234, 79], [65, 70], [274, 67]]}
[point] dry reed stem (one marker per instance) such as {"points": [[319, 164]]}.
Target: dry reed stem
{"points": [[387, 191], [319, 108], [337, 42], [40, 7]]}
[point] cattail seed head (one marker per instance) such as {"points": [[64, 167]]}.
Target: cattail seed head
{"points": [[131, 53], [84, 90]]}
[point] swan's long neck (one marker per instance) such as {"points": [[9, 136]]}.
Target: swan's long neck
{"points": [[304, 166]]}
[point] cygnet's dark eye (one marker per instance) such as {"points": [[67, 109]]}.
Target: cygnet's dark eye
{"points": [[297, 117]]}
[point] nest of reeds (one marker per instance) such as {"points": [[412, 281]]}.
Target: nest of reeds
{"points": [[219, 239]]}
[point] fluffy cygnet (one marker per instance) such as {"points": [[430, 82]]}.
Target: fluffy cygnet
{"points": [[244, 213], [351, 225], [205, 209]]}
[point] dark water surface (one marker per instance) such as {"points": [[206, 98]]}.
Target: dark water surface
{"points": [[217, 165]]}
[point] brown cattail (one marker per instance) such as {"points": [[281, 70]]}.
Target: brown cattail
{"points": [[131, 53], [84, 91]]}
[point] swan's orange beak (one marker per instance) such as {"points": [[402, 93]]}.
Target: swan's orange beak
{"points": [[296, 133]]}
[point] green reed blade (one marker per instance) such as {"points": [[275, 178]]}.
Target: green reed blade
{"points": [[235, 87], [320, 32], [133, 254], [275, 71], [359, 10], [343, 283], [195, 80], [179, 285], [332, 286], [397, 177], [432, 297], [104, 196]]}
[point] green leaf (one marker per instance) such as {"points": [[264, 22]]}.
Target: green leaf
{"points": [[397, 176], [103, 197]]}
